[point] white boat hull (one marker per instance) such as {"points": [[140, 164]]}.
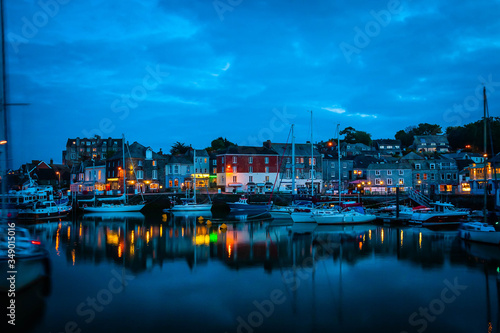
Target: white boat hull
{"points": [[344, 218], [486, 237], [302, 217], [114, 208], [191, 208]]}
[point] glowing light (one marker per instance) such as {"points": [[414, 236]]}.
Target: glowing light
{"points": [[132, 250], [161, 230], [132, 236], [382, 236], [119, 251], [229, 250], [80, 231], [401, 237], [69, 232], [147, 237], [369, 234], [73, 256], [112, 237], [360, 246], [57, 242], [420, 240]]}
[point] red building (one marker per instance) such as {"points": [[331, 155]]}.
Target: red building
{"points": [[247, 169]]}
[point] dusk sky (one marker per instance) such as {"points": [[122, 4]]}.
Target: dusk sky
{"points": [[191, 71]]}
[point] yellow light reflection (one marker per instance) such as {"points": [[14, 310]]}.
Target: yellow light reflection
{"points": [[119, 251], [132, 236], [161, 230], [360, 246], [369, 234], [420, 240], [229, 250], [57, 242], [382, 236], [147, 237], [73, 256], [80, 232], [112, 237], [132, 250], [69, 232], [182, 231], [401, 237]]}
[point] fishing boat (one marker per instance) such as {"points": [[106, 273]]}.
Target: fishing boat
{"points": [[31, 259], [123, 206], [43, 210]]}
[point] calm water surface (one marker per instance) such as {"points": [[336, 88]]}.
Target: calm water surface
{"points": [[147, 274]]}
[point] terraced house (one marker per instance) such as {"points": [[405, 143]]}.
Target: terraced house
{"points": [[383, 178]]}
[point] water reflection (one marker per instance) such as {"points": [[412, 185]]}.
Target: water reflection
{"points": [[331, 275]]}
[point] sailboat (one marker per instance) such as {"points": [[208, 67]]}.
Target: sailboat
{"points": [[121, 207], [189, 204], [481, 232]]}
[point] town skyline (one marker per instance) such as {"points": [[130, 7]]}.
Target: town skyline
{"points": [[162, 72]]}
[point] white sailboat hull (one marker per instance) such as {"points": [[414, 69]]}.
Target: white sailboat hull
{"points": [[344, 218], [191, 208], [486, 237], [302, 217], [114, 208]]}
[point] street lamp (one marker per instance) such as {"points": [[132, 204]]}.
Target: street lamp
{"points": [[59, 178]]}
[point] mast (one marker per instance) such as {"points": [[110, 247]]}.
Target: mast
{"points": [[312, 157], [194, 175], [124, 169], [338, 155], [485, 155], [293, 163]]}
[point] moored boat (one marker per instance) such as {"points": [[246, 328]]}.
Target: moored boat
{"points": [[43, 210], [479, 232], [243, 206], [442, 214]]}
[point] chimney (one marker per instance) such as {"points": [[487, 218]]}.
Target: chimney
{"points": [[160, 152], [51, 161], [267, 144]]}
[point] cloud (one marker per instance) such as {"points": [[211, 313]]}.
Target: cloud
{"points": [[335, 109]]}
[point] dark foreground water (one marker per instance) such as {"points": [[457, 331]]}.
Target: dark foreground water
{"points": [[145, 274]]}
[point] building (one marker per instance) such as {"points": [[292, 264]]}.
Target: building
{"points": [[477, 177], [303, 167], [331, 172], [56, 175], [387, 146], [431, 143], [353, 149], [178, 172], [247, 169], [78, 150], [143, 167], [96, 173], [384, 178]]}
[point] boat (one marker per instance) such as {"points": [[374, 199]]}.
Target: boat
{"points": [[31, 259], [441, 214], [190, 204], [479, 232], [331, 216], [115, 208], [43, 210], [243, 206]]}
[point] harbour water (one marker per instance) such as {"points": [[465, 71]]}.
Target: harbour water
{"points": [[131, 273]]}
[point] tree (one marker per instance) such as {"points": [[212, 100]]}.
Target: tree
{"points": [[470, 136], [353, 136], [179, 148], [406, 135], [220, 143]]}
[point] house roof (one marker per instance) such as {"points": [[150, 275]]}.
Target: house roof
{"points": [[412, 156], [247, 150], [392, 166], [362, 161], [387, 142], [301, 149], [135, 150], [419, 139]]}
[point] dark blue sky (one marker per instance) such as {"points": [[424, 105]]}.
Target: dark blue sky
{"points": [[190, 71]]}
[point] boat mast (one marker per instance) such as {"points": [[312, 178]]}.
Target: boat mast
{"points": [[194, 175], [485, 155], [312, 157], [293, 163], [124, 169], [338, 156]]}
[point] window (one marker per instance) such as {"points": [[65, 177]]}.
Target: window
{"points": [[214, 162], [454, 176], [176, 182], [235, 179], [88, 150], [94, 149], [250, 160], [301, 160], [267, 178], [155, 174], [425, 176], [267, 169], [267, 160], [176, 169], [73, 156], [139, 163], [195, 170], [377, 172], [389, 181], [389, 172], [234, 159], [344, 174], [389, 147], [235, 169], [250, 169], [222, 160], [103, 150], [140, 174], [344, 165], [433, 176], [432, 166], [288, 173], [401, 172], [417, 166], [377, 181], [288, 160], [154, 162], [188, 169], [99, 175], [88, 143], [448, 176], [205, 160], [442, 176], [214, 170], [381, 147], [418, 176], [401, 181], [250, 178]]}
